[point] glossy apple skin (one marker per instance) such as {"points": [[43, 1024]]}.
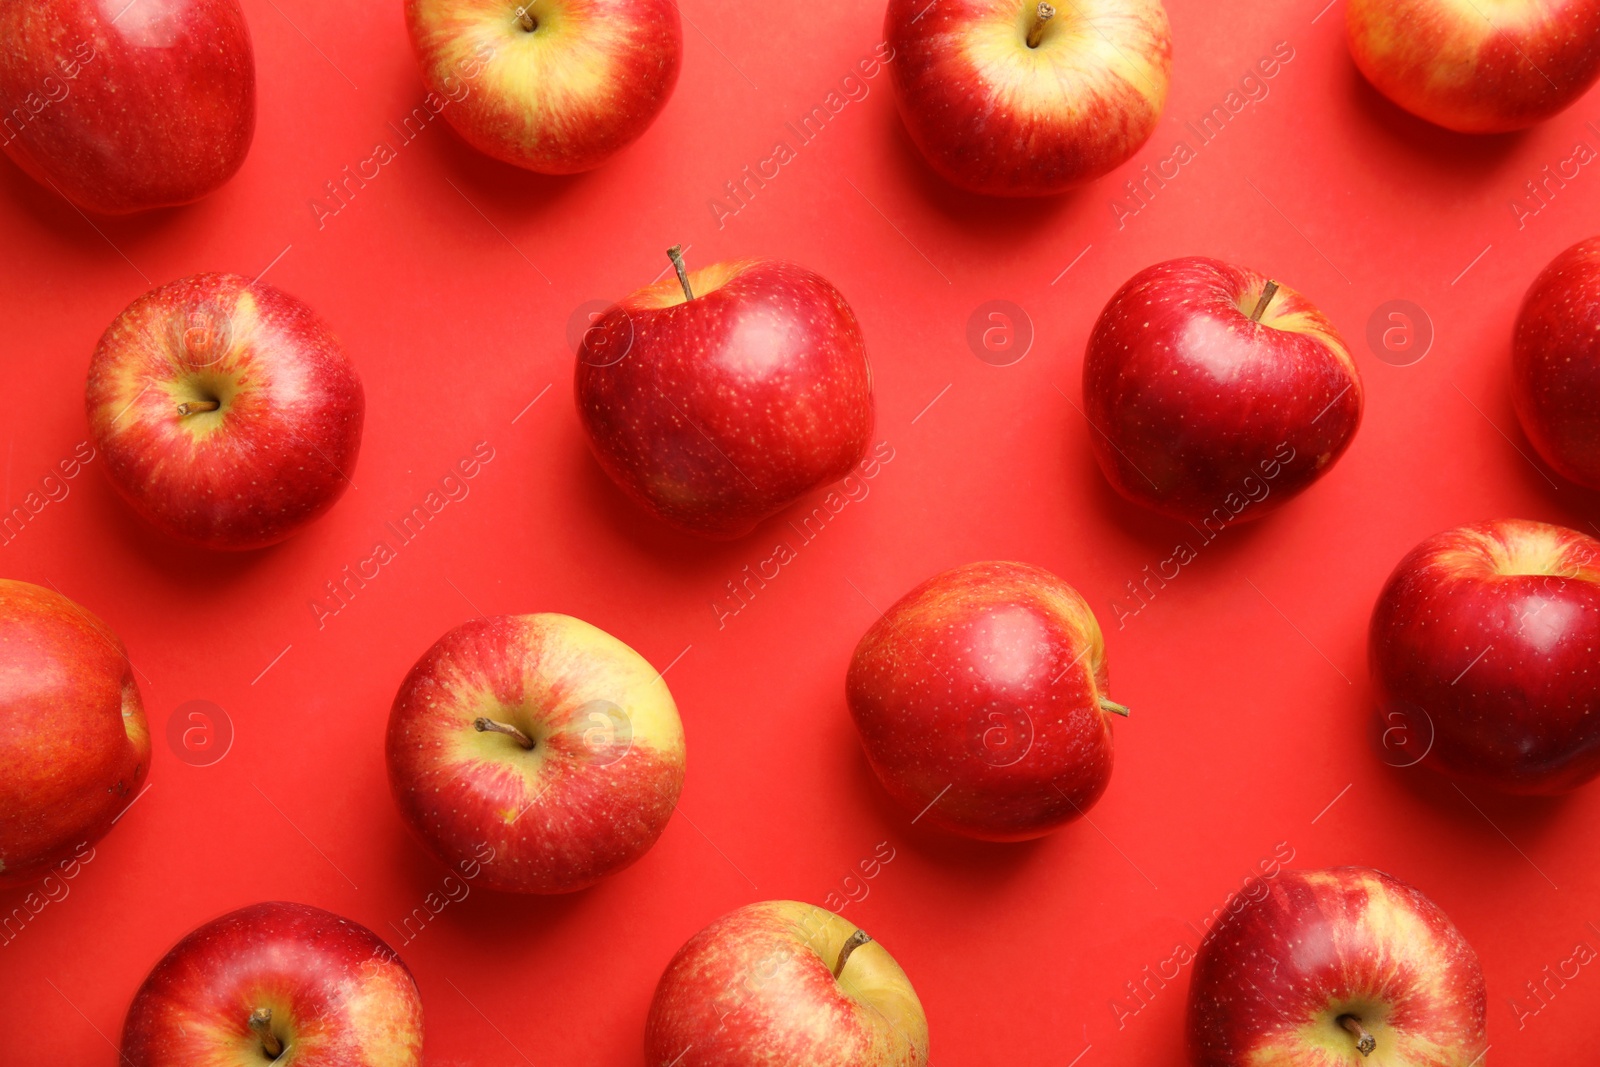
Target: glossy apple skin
{"points": [[1476, 72], [280, 450], [716, 413], [73, 738], [128, 107], [1204, 415], [339, 995], [756, 989], [980, 701], [995, 117], [588, 800], [1489, 631], [1273, 977], [1555, 364], [567, 96]]}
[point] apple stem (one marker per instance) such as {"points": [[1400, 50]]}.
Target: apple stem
{"points": [[1365, 1042], [526, 20], [194, 407], [1267, 294], [675, 253], [857, 939], [261, 1026], [1041, 18], [485, 725], [1107, 704]]}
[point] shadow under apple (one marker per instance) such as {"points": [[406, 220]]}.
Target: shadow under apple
{"points": [[1456, 158]]}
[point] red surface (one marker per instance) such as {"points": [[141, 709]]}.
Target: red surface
{"points": [[1246, 673]]}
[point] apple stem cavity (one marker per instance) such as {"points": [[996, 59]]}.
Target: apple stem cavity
{"points": [[1041, 19], [1267, 294], [1365, 1042], [1106, 704], [526, 20], [195, 407], [489, 726], [261, 1026], [675, 253], [857, 939]]}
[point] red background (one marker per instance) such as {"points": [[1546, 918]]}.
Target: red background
{"points": [[452, 280]]}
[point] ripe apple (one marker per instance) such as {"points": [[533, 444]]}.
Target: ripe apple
{"points": [[980, 699], [542, 740], [123, 107], [1343, 966], [74, 744], [1477, 68], [276, 982], [228, 414], [783, 984], [719, 399], [556, 86], [1488, 633], [1215, 395], [1555, 364], [1013, 98]]}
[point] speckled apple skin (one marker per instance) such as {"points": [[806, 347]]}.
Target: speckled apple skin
{"points": [[756, 989], [1555, 363], [161, 110], [339, 995], [280, 451], [976, 659], [1204, 415], [1274, 975], [1492, 632], [719, 412], [996, 117], [74, 743], [1477, 69]]}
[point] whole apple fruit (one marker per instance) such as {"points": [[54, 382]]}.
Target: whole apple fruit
{"points": [[1336, 967], [783, 984], [1477, 69], [1555, 364], [227, 412], [73, 738], [556, 86], [1485, 637], [540, 739], [123, 107], [276, 982], [1019, 98], [980, 700], [1215, 395], [719, 399]]}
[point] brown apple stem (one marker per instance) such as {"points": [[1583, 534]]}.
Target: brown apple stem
{"points": [[485, 725], [1041, 18], [1266, 300], [857, 939], [675, 253], [526, 20], [1107, 704], [261, 1026], [1365, 1042], [194, 407]]}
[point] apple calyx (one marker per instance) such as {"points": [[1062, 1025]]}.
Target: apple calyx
{"points": [[1365, 1042], [675, 253], [857, 939], [1267, 293], [487, 725], [261, 1026], [1041, 18], [1107, 704], [195, 407]]}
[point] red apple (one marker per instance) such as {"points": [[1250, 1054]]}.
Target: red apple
{"points": [[1477, 68], [539, 739], [228, 414], [1014, 98], [125, 106], [1555, 363], [74, 744], [783, 984], [276, 982], [1336, 968], [1485, 636], [719, 409], [980, 699], [556, 86], [1215, 395]]}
